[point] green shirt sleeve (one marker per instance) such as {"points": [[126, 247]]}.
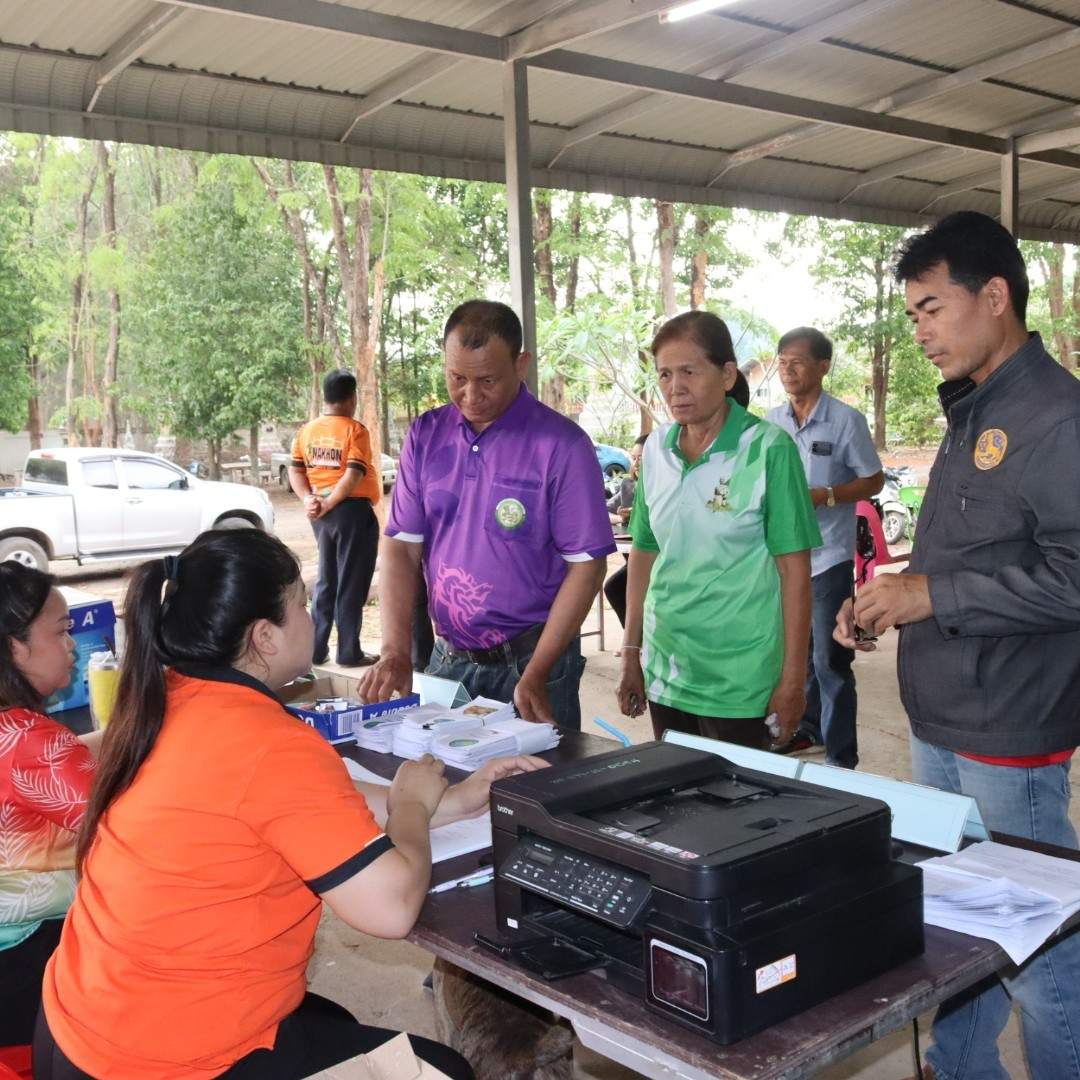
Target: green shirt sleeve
{"points": [[790, 521], [640, 527]]}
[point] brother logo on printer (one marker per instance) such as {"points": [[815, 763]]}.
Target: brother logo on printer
{"points": [[505, 810], [597, 771]]}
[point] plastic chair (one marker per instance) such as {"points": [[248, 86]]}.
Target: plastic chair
{"points": [[871, 551], [912, 496], [15, 1063]]}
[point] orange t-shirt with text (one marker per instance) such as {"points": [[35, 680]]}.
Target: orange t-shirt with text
{"points": [[195, 917], [329, 445]]}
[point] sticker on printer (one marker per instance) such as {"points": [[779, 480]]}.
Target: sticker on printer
{"points": [[773, 975]]}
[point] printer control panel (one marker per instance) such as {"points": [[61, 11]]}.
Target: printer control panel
{"points": [[604, 889]]}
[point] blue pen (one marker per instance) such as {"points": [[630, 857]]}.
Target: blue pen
{"points": [[612, 730], [478, 877]]}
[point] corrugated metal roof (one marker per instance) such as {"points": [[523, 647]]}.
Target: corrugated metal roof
{"points": [[785, 110]]}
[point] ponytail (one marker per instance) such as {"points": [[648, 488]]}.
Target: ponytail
{"points": [[198, 607]]}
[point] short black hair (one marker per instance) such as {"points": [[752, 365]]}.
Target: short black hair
{"points": [[478, 321], [338, 387], [974, 248], [640, 440], [820, 345]]}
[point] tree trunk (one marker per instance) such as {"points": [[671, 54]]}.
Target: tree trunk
{"points": [[354, 269], [253, 454], [879, 355], [575, 255], [699, 265], [553, 392], [110, 434], [665, 234], [34, 423], [78, 299]]}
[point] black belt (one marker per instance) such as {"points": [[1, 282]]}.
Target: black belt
{"points": [[512, 649]]}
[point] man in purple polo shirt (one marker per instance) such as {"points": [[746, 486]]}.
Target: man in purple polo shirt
{"points": [[502, 501]]}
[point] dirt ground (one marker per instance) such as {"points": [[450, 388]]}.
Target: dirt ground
{"points": [[346, 965]]}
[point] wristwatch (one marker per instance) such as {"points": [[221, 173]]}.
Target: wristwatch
{"points": [[830, 497]]}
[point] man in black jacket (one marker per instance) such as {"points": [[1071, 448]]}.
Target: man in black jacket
{"points": [[989, 609]]}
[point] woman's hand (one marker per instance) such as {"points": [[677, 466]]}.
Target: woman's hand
{"points": [[421, 782], [788, 701], [630, 692], [471, 797]]}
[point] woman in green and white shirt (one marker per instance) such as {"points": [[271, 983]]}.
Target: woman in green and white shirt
{"points": [[719, 597]]}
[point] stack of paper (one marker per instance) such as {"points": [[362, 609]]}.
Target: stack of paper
{"points": [[377, 734], [1015, 897], [418, 728], [470, 750], [489, 710]]}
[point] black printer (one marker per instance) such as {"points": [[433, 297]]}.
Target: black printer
{"points": [[730, 898]]}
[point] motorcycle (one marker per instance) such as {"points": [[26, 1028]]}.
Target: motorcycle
{"points": [[895, 519]]}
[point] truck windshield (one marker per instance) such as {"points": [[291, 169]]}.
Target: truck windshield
{"points": [[46, 471]]}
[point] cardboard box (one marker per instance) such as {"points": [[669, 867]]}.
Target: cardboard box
{"points": [[94, 619], [394, 1060], [336, 726]]}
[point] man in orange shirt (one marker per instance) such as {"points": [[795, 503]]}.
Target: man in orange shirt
{"points": [[332, 471]]}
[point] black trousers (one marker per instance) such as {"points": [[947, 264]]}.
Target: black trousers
{"points": [[348, 539], [317, 1035], [750, 732], [21, 970]]}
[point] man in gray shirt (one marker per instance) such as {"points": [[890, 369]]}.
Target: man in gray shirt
{"points": [[842, 467]]}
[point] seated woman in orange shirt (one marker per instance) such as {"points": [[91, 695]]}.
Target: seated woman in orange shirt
{"points": [[45, 775], [218, 825]]}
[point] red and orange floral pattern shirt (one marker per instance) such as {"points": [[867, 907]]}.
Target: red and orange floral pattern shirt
{"points": [[45, 775]]}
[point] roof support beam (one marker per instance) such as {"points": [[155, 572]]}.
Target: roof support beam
{"points": [[415, 75], [1010, 189], [130, 47], [922, 91], [1012, 132], [1048, 140], [699, 89], [975, 180], [593, 17], [786, 43], [519, 206], [340, 19]]}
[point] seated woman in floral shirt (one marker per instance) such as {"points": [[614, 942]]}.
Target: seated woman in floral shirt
{"points": [[45, 775]]}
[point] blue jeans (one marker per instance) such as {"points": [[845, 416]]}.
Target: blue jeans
{"points": [[1033, 803], [499, 680], [831, 701]]}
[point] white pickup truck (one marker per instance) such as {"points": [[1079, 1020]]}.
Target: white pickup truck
{"points": [[98, 504]]}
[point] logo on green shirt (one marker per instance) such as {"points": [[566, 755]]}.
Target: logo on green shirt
{"points": [[719, 501], [510, 513]]}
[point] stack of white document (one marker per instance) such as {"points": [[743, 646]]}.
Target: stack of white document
{"points": [[377, 734], [1015, 897], [416, 732], [470, 750]]}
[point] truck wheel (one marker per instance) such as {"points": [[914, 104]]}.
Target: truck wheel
{"points": [[234, 522], [894, 526], [23, 550], [614, 470]]}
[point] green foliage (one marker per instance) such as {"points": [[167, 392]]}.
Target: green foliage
{"points": [[913, 410], [16, 302], [214, 320]]}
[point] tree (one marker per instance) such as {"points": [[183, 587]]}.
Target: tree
{"points": [[217, 323], [855, 260]]}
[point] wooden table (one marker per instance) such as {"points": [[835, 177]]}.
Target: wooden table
{"points": [[617, 1024]]}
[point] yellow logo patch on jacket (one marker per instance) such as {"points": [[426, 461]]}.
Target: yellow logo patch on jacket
{"points": [[990, 448]]}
